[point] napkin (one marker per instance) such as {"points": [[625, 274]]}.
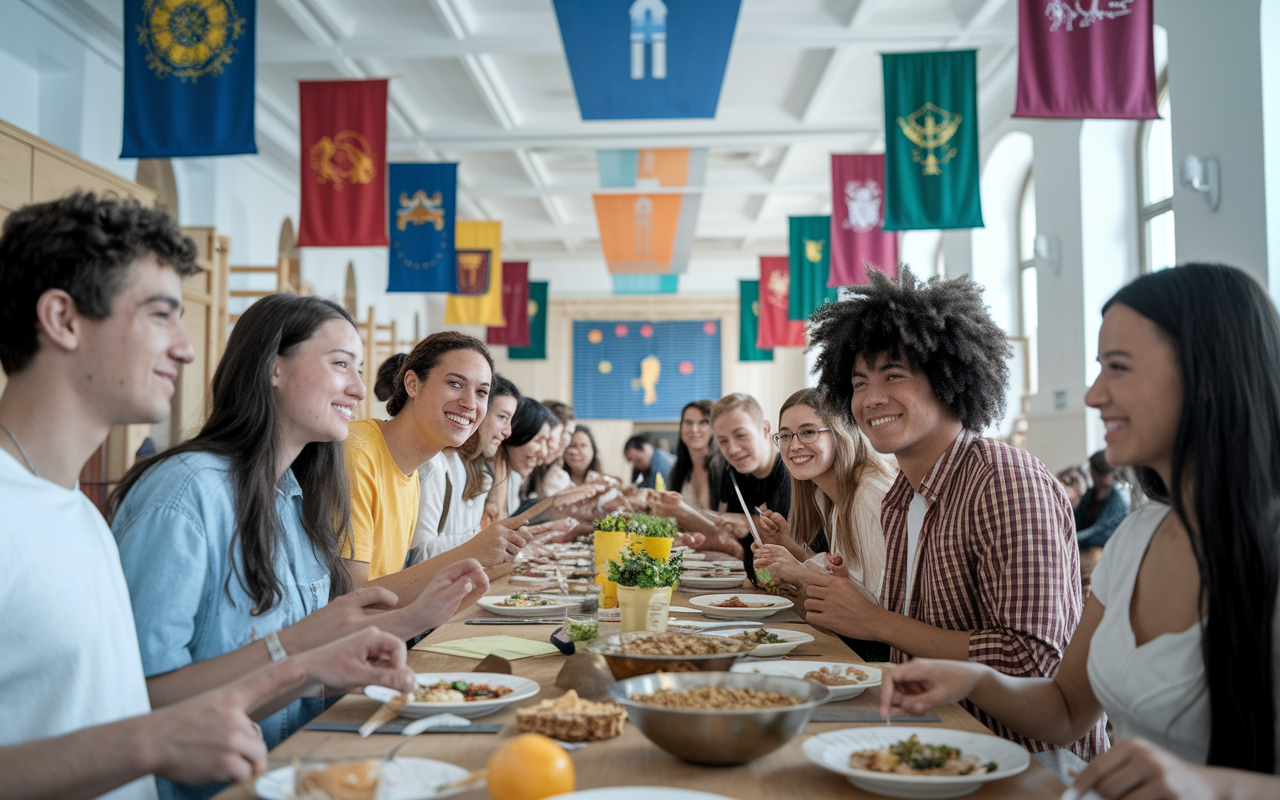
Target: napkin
{"points": [[509, 647]]}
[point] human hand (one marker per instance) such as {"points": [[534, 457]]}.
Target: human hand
{"points": [[367, 657], [343, 615], [773, 528], [665, 503], [1136, 768], [734, 525], [578, 494], [498, 543], [553, 532], [779, 561], [457, 585], [210, 737], [836, 604], [923, 683]]}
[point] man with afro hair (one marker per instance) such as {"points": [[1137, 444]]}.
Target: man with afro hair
{"points": [[981, 560]]}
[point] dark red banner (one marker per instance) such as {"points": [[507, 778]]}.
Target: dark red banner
{"points": [[515, 306], [858, 238], [344, 163], [775, 299]]}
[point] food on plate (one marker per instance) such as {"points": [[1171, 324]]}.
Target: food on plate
{"points": [[736, 602], [352, 780], [718, 573], [529, 766], [678, 644], [911, 757], [716, 698], [519, 600], [458, 692], [570, 718], [759, 637], [849, 676]]}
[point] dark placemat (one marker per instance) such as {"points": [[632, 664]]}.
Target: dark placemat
{"points": [[829, 714], [396, 726]]}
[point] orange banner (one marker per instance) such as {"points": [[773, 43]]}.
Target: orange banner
{"points": [[638, 232]]}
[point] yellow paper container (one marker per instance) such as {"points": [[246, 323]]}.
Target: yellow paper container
{"points": [[609, 545], [657, 546], [644, 609]]}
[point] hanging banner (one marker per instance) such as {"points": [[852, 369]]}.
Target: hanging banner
{"points": [[188, 89], [537, 315], [776, 329], [515, 306], [810, 266], [344, 163], [646, 233], [858, 237], [647, 59], [931, 140], [478, 251], [421, 231], [1086, 63], [749, 323]]}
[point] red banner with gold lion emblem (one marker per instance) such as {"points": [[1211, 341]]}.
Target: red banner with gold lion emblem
{"points": [[344, 163], [775, 298]]}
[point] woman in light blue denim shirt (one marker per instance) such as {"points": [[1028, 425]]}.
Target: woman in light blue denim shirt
{"points": [[230, 541]]}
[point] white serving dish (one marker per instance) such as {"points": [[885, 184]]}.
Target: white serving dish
{"points": [[490, 604], [798, 669], [791, 640], [403, 778], [771, 605], [832, 751], [521, 689]]}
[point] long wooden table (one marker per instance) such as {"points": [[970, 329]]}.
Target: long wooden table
{"points": [[630, 759]]}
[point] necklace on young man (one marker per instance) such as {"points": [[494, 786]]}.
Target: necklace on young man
{"points": [[25, 457]]}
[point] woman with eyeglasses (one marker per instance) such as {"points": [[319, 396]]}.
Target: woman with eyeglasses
{"points": [[837, 486], [698, 465]]}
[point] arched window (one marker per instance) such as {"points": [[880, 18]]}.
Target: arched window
{"points": [[1156, 158], [1028, 307]]}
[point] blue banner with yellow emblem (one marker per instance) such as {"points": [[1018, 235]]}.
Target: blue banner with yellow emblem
{"points": [[647, 59], [188, 78], [423, 197]]}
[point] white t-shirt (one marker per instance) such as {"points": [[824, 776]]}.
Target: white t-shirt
{"points": [[1157, 691], [915, 523], [463, 519], [71, 656]]}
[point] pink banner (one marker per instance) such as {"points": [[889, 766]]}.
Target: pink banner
{"points": [[775, 298], [857, 221], [1086, 59]]}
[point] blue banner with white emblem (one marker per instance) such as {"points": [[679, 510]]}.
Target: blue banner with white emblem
{"points": [[423, 197], [647, 59], [188, 78]]}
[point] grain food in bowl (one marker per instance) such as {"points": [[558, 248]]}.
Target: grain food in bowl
{"points": [[677, 644], [716, 698]]}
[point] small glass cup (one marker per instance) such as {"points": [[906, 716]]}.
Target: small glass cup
{"points": [[583, 624]]}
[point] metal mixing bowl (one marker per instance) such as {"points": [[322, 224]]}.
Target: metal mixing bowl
{"points": [[719, 737], [627, 665]]}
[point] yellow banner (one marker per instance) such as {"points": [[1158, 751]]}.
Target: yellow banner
{"points": [[482, 309]]}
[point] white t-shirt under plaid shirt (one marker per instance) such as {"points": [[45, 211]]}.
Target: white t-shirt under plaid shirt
{"points": [[997, 556]]}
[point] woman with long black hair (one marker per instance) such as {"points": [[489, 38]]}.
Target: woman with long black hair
{"points": [[696, 473], [231, 541], [1178, 641]]}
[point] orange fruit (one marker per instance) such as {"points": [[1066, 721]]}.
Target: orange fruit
{"points": [[530, 767]]}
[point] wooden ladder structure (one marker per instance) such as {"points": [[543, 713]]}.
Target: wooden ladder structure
{"points": [[288, 279]]}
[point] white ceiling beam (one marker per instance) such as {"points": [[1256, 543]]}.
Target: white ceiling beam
{"points": [[534, 171], [862, 14], [822, 86], [985, 13]]}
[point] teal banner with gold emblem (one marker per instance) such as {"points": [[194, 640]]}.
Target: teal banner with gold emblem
{"points": [[188, 78], [810, 255], [749, 323], [931, 141], [537, 325]]}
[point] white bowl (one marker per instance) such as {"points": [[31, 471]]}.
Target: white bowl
{"points": [[403, 778], [798, 669], [771, 605], [521, 689], [790, 641], [692, 580], [832, 751], [491, 604]]}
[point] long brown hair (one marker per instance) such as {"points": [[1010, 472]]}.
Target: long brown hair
{"points": [[476, 465], [682, 470], [854, 464], [244, 428]]}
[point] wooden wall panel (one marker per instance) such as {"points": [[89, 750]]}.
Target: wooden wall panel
{"points": [[15, 172]]}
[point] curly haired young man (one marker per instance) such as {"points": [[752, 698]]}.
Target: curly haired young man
{"points": [[982, 562]]}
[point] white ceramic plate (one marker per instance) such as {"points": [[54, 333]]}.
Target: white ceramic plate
{"points": [[403, 779], [790, 640], [772, 605], [521, 689], [798, 669], [695, 580], [491, 602], [832, 751], [639, 793]]}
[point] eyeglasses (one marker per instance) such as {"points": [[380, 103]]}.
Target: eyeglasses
{"points": [[806, 436]]}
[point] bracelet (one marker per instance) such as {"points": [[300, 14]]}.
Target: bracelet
{"points": [[274, 648]]}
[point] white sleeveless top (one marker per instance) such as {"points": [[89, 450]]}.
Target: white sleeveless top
{"points": [[1157, 691]]}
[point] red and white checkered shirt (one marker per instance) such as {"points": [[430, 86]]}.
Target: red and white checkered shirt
{"points": [[997, 556]]}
